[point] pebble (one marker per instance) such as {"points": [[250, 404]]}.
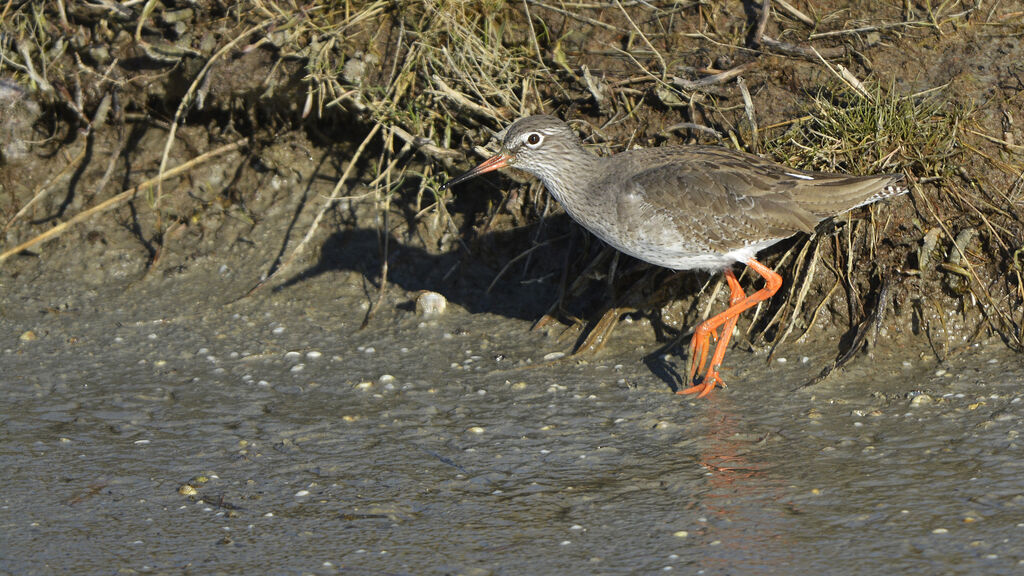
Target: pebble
{"points": [[430, 304], [554, 355], [921, 400]]}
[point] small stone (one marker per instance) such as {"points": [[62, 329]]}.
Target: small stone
{"points": [[430, 303], [921, 400], [28, 336]]}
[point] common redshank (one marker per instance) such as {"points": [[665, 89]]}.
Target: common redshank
{"points": [[685, 208]]}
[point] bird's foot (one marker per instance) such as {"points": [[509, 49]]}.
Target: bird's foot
{"points": [[710, 381], [700, 345]]}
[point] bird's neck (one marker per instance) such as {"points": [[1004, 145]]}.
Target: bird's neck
{"points": [[567, 179]]}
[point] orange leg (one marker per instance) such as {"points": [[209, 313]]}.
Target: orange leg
{"points": [[739, 302], [701, 340]]}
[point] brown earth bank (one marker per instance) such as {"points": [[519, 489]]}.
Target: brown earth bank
{"points": [[365, 106]]}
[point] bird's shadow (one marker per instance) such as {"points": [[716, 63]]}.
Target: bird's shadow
{"points": [[664, 370], [517, 273], [476, 275]]}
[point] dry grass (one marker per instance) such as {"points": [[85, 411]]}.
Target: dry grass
{"points": [[421, 82]]}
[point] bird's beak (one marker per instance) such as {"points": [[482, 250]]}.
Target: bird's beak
{"points": [[499, 160]]}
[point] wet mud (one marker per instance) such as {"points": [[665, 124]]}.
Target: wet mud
{"points": [[162, 425]]}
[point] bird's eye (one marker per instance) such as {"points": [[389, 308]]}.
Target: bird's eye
{"points": [[533, 140]]}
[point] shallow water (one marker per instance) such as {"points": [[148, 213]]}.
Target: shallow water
{"points": [[274, 436]]}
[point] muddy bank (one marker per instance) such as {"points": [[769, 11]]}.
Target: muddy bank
{"points": [[152, 427]]}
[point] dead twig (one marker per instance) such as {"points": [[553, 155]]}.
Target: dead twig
{"points": [[762, 23], [807, 53], [189, 97], [793, 12], [43, 190], [846, 77], [661, 59], [714, 79], [426, 145], [876, 28], [869, 325], [334, 197], [116, 200]]}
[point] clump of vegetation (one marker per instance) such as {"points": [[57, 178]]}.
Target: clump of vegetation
{"points": [[925, 137]]}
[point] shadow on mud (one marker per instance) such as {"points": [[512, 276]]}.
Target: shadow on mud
{"points": [[480, 277]]}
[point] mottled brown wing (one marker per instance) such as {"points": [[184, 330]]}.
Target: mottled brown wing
{"points": [[720, 208], [734, 199]]}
